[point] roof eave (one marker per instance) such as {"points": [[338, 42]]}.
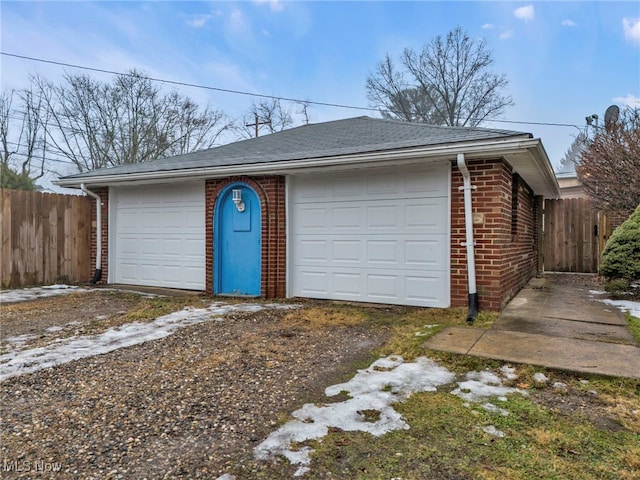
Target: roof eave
{"points": [[518, 146]]}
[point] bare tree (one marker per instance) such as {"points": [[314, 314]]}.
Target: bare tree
{"points": [[95, 124], [22, 138], [609, 166], [449, 82], [571, 157], [271, 115], [391, 94]]}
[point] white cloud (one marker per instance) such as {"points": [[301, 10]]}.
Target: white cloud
{"points": [[568, 23], [488, 26], [274, 5], [506, 34], [237, 20], [630, 100], [525, 13], [631, 27], [199, 21]]}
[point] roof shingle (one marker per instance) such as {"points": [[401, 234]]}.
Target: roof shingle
{"points": [[340, 137]]}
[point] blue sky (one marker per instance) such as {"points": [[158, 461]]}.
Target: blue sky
{"points": [[563, 60]]}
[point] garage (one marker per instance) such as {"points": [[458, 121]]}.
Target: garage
{"points": [[158, 235], [374, 235]]}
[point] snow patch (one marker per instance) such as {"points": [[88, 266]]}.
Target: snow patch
{"points": [[491, 408], [481, 385], [20, 362], [633, 308], [540, 378], [492, 430], [386, 381], [34, 293], [374, 390], [508, 372], [18, 340], [25, 294]]}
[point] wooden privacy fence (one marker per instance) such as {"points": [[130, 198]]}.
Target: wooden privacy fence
{"points": [[46, 238], [575, 234]]}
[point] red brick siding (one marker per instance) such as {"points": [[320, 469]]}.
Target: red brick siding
{"points": [[271, 192], [506, 255]]}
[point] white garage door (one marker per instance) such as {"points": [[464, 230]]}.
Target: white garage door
{"points": [[157, 236], [372, 235]]}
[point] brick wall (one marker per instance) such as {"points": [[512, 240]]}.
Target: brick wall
{"points": [[506, 234], [271, 192]]}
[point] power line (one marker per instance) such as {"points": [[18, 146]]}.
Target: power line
{"points": [[46, 159], [35, 157], [186, 84], [258, 95]]}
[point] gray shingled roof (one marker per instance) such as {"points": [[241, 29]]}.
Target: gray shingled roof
{"points": [[336, 138]]}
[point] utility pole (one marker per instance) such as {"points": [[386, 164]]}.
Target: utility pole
{"points": [[257, 124]]}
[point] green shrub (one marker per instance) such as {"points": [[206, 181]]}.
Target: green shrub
{"points": [[617, 286], [621, 255]]}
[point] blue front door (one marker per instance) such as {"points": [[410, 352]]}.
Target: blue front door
{"points": [[237, 242]]}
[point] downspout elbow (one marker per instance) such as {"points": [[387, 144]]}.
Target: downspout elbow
{"points": [[469, 240], [98, 273]]}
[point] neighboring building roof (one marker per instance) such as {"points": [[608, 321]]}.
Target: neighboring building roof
{"points": [[324, 144]]}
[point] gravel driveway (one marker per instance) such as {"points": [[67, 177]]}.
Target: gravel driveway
{"points": [[189, 405]]}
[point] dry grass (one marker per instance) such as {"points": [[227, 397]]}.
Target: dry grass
{"points": [[329, 316]]}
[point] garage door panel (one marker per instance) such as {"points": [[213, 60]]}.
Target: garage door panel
{"points": [[383, 217], [312, 251], [424, 290], [175, 248], [128, 272], [347, 285], [383, 251], [159, 236], [371, 217], [372, 236], [376, 286], [311, 218], [313, 283], [387, 183], [428, 216], [346, 251], [383, 287], [380, 251], [425, 253], [383, 184], [346, 217], [434, 183]]}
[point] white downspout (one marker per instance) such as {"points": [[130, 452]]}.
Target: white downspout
{"points": [[98, 274], [470, 244]]}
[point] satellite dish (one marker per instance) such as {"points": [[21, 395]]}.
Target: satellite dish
{"points": [[611, 116]]}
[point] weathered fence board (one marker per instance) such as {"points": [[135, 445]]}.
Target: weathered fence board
{"points": [[46, 238], [574, 235]]}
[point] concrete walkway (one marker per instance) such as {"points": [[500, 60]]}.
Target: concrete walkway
{"points": [[557, 322]]}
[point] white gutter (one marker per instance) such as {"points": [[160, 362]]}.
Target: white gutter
{"points": [[470, 244], [434, 153], [98, 273]]}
